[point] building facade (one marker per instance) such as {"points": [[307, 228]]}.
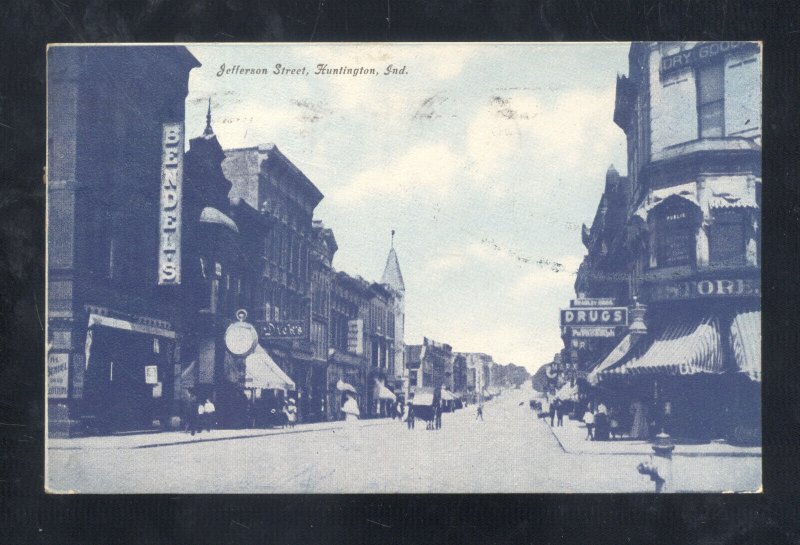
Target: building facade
{"points": [[679, 239], [267, 181], [114, 292]]}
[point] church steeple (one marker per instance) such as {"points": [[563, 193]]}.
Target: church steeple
{"points": [[208, 132], [391, 273]]}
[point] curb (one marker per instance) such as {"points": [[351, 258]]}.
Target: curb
{"points": [[675, 454], [249, 436]]}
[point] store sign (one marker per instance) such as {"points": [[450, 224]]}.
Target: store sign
{"points": [[150, 374], [697, 289], [288, 329], [600, 316], [593, 332], [169, 248], [57, 375], [592, 302], [702, 53], [355, 337]]}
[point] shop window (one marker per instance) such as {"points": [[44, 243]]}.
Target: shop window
{"points": [[710, 100], [727, 239]]}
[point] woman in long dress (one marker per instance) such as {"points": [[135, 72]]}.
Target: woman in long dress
{"points": [[350, 409]]}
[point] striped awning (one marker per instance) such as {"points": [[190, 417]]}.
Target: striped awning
{"points": [[679, 349], [746, 342], [732, 200], [613, 358]]}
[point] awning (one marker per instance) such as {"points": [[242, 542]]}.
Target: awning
{"points": [[680, 349], [613, 358], [212, 215], [746, 341], [386, 393], [422, 396], [447, 395], [731, 200], [118, 323], [262, 372], [686, 191]]}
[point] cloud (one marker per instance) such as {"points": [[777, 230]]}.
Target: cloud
{"points": [[427, 169]]}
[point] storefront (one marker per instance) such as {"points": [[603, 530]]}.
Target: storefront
{"points": [[128, 380], [696, 370]]}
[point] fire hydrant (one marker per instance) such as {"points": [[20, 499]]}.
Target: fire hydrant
{"points": [[659, 466]]}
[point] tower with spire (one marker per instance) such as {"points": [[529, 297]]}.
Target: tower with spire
{"points": [[393, 279]]}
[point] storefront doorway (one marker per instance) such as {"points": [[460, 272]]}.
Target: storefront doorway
{"points": [[127, 381]]}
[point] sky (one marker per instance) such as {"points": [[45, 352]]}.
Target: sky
{"points": [[485, 159]]}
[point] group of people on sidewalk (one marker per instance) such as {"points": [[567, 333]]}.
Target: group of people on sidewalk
{"points": [[204, 417], [602, 423]]}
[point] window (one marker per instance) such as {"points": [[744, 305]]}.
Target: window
{"points": [[675, 236], [727, 238], [710, 103]]}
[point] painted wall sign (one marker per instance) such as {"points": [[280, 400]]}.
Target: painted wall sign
{"points": [[289, 329], [169, 247], [57, 375], [701, 53], [355, 336], [696, 289], [600, 316]]}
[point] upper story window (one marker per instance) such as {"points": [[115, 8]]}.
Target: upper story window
{"points": [[727, 238], [710, 100], [675, 228]]}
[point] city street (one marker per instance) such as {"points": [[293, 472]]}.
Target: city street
{"points": [[510, 451]]}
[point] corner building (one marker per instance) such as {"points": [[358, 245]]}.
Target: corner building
{"points": [[113, 325], [682, 241]]}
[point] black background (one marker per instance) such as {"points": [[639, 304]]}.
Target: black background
{"points": [[27, 515]]}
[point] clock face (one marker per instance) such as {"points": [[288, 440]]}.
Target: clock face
{"points": [[240, 338]]}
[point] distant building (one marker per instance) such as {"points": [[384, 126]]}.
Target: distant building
{"points": [[479, 366], [427, 363], [393, 279]]}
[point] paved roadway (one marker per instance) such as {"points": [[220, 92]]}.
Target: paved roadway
{"points": [[510, 451]]}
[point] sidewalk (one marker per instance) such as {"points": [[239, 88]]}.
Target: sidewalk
{"points": [[572, 438], [172, 438]]}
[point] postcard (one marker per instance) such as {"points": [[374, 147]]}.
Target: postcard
{"points": [[404, 268]]}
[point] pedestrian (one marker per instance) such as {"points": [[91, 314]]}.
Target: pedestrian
{"points": [[209, 414], [544, 410], [479, 412], [196, 421], [350, 408], [291, 413], [438, 417], [560, 410], [399, 410], [588, 419], [554, 410], [410, 416]]}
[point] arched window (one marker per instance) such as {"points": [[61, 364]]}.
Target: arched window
{"points": [[675, 223]]}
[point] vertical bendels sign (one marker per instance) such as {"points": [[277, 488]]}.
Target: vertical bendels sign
{"points": [[169, 247]]}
